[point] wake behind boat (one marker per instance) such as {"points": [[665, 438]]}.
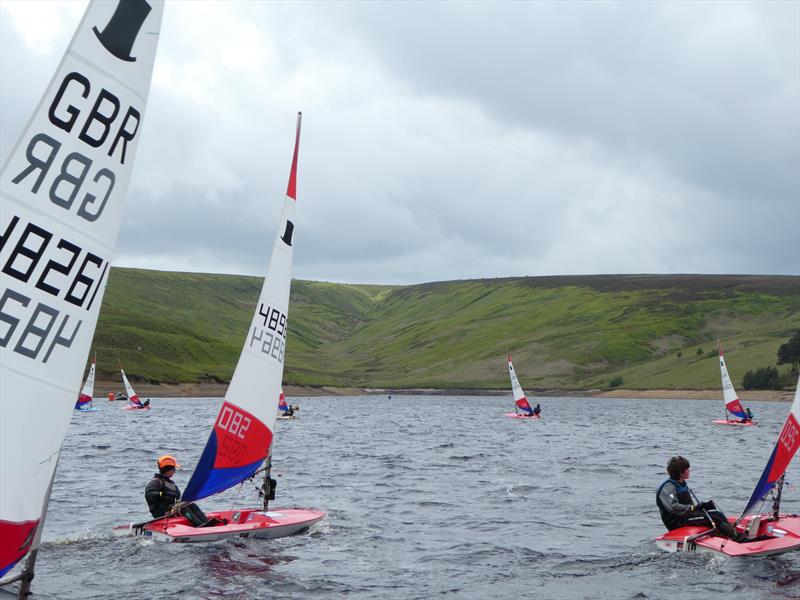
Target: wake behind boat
{"points": [[764, 533], [522, 408], [735, 413], [242, 435]]}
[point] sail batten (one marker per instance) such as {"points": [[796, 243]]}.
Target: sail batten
{"points": [[243, 431], [64, 185]]}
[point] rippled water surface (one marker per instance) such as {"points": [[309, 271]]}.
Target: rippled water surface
{"points": [[427, 497]]}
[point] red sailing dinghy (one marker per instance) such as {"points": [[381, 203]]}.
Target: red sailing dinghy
{"points": [[733, 407], [242, 434], [767, 534], [133, 399], [522, 407]]}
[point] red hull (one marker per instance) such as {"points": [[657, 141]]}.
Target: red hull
{"points": [[248, 522], [739, 423], [769, 537]]}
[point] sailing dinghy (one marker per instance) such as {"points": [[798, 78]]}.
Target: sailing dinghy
{"points": [[84, 403], [733, 406], [62, 196], [283, 408], [522, 408], [133, 399], [768, 532], [242, 434]]}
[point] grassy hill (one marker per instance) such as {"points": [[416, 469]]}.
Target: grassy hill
{"points": [[564, 332]]}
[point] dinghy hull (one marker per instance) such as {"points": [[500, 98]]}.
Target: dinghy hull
{"points": [[519, 416], [769, 537], [249, 522], [739, 423]]}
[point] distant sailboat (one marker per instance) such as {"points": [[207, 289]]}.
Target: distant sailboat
{"points": [[84, 403], [284, 410], [766, 533], [242, 435], [62, 196], [522, 408], [133, 398], [733, 405]]}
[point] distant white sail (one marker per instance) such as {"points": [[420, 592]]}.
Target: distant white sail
{"points": [[62, 195], [85, 397]]}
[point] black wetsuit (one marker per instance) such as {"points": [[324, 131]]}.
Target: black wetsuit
{"points": [[674, 502], [161, 493]]}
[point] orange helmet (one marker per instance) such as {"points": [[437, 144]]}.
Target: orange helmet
{"points": [[167, 461]]}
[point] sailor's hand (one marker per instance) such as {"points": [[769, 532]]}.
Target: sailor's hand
{"points": [[707, 505]]}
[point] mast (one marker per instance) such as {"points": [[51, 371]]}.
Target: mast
{"points": [[246, 420], [62, 195]]}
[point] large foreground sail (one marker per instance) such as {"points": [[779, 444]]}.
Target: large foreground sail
{"points": [[242, 434], [520, 401], [782, 454], [63, 191]]}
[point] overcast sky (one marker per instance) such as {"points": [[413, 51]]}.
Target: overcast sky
{"points": [[454, 140]]}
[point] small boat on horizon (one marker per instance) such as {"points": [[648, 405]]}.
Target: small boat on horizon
{"points": [[733, 405], [84, 403], [133, 399], [522, 408]]}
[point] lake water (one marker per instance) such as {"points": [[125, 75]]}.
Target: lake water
{"points": [[427, 497]]}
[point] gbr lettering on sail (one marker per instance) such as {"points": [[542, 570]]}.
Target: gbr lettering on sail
{"points": [[64, 186]]}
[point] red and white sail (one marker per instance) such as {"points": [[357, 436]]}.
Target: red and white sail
{"points": [[242, 433], [782, 454], [520, 401], [85, 397], [732, 403], [62, 196], [282, 404], [133, 398]]}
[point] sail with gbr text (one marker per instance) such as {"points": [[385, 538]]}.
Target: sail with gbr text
{"points": [[62, 195], [242, 433]]}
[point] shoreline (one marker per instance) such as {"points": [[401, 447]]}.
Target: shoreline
{"points": [[217, 390]]}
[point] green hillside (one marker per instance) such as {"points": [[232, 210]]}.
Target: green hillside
{"points": [[564, 332]]}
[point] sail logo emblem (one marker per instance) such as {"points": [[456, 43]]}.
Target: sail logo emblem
{"points": [[122, 30]]}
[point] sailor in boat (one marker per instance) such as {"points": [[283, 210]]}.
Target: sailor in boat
{"points": [[162, 493], [537, 411], [289, 412], [679, 506], [749, 416]]}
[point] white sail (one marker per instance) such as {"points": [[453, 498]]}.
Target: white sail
{"points": [[242, 434], [731, 399], [132, 397], [520, 401], [85, 397], [62, 194]]}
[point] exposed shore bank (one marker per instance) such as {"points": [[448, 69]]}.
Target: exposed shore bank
{"points": [[217, 390]]}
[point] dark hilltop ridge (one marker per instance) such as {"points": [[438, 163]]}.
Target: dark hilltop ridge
{"points": [[182, 333]]}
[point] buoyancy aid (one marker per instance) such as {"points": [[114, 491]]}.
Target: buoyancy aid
{"points": [[683, 495]]}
